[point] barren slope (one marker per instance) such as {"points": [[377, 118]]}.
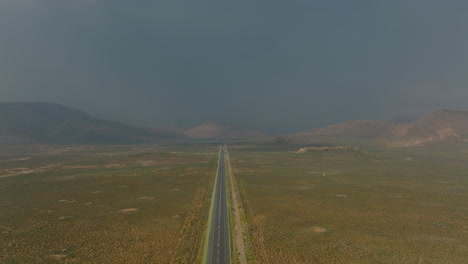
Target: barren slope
{"points": [[438, 126]]}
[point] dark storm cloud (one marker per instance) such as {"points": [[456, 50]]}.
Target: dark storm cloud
{"points": [[280, 66]]}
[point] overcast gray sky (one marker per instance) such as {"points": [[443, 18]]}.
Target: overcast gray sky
{"points": [[279, 66]]}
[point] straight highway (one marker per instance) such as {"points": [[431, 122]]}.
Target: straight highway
{"points": [[218, 245]]}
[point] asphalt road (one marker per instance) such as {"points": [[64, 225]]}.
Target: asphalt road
{"points": [[218, 247]]}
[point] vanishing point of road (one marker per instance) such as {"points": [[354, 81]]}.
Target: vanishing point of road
{"points": [[218, 244]]}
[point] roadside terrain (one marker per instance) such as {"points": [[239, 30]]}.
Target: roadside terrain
{"points": [[241, 241], [346, 205], [105, 204]]}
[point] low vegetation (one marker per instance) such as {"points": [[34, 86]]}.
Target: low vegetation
{"points": [[342, 206], [140, 204]]}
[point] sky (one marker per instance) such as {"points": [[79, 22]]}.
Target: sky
{"points": [[277, 66]]}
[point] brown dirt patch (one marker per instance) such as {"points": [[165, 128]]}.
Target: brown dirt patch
{"points": [[317, 229], [58, 256], [128, 210], [146, 198], [147, 163], [67, 201], [16, 159]]}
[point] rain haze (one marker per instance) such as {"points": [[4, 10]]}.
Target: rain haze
{"points": [[277, 66]]}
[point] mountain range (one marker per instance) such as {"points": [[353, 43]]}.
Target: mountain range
{"points": [[41, 122], [23, 123], [54, 123], [437, 126]]}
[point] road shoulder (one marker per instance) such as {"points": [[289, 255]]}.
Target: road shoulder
{"points": [[240, 234]]}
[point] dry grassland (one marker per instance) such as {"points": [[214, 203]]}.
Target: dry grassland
{"points": [[345, 206], [105, 205]]}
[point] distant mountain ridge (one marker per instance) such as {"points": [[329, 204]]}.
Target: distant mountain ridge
{"points": [[358, 128], [55, 123], [212, 129], [437, 126]]}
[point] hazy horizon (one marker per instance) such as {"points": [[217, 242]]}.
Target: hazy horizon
{"points": [[275, 66]]}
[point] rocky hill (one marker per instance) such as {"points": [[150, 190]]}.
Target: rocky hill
{"points": [[437, 126]]}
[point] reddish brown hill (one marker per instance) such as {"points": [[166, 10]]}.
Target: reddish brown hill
{"points": [[213, 129]]}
